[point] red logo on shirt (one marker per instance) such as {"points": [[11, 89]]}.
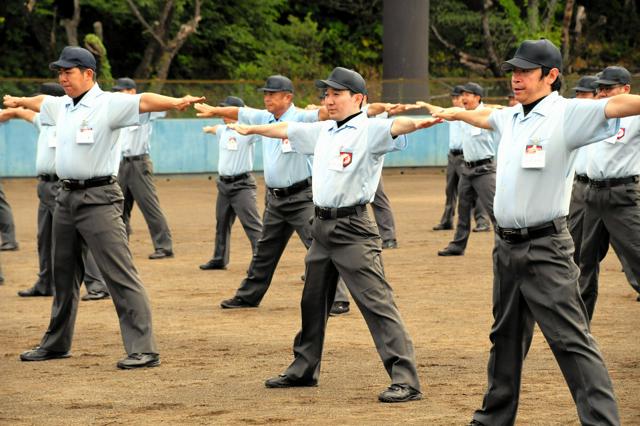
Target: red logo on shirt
{"points": [[347, 157], [620, 134]]}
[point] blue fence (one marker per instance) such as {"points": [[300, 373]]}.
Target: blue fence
{"points": [[179, 146]]}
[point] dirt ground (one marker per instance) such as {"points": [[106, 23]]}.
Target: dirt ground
{"points": [[214, 361]]}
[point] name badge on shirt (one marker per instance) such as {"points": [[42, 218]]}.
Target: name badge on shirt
{"points": [[342, 161], [615, 138], [285, 145], [232, 144], [533, 157], [84, 135]]}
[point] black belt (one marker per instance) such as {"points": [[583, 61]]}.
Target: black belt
{"points": [[455, 152], [293, 189], [234, 178], [326, 213], [608, 183], [73, 184], [582, 178], [48, 178], [479, 162], [515, 235], [136, 157]]}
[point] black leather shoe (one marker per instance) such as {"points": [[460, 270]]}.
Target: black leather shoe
{"points": [[450, 252], [474, 422], [389, 244], [139, 361], [235, 303], [32, 292], [482, 228], [399, 393], [97, 295], [339, 308], [283, 381], [161, 254], [638, 299], [212, 264], [442, 227], [9, 246], [41, 354]]}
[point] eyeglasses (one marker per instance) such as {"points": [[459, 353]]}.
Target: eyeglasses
{"points": [[607, 89]]}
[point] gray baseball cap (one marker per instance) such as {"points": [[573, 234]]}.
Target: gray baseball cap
{"points": [[73, 56], [232, 101], [457, 90], [344, 79], [124, 83], [277, 83], [533, 54], [586, 84], [613, 75], [474, 88]]}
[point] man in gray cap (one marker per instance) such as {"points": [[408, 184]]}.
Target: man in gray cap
{"points": [[535, 277], [612, 209], [455, 167], [348, 156], [89, 206], [236, 188], [47, 190], [289, 204], [135, 177], [478, 177]]}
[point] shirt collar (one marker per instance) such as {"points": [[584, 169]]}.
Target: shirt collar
{"points": [[354, 123], [89, 99], [543, 108], [285, 116]]}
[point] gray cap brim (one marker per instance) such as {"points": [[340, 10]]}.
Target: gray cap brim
{"points": [[583, 89], [119, 88], [606, 82], [268, 89], [61, 64], [323, 84], [518, 63]]}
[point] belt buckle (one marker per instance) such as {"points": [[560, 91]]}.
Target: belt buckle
{"points": [[509, 235], [278, 192]]}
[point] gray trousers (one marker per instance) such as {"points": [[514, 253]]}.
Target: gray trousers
{"points": [[455, 168], [382, 212], [47, 192], [136, 180], [281, 217], [575, 220], [95, 216], [349, 247], [611, 215], [477, 183], [236, 199], [7, 226], [536, 281]]}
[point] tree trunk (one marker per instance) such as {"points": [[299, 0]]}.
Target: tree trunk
{"points": [[494, 63], [71, 25], [566, 39], [533, 15]]}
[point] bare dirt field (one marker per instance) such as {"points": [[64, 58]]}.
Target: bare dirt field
{"points": [[214, 361]]}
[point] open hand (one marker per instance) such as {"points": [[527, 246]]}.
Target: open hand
{"points": [[187, 100]]}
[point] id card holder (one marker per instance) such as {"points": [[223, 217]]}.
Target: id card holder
{"points": [[534, 157], [285, 145], [84, 135], [232, 144]]}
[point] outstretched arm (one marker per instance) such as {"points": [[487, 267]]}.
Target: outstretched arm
{"points": [[205, 110], [622, 106], [153, 102], [275, 130], [403, 125], [9, 113], [33, 103], [476, 117], [211, 129]]}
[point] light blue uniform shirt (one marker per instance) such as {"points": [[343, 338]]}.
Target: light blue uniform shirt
{"points": [[619, 155], [582, 159], [455, 138], [236, 161], [281, 169], [531, 196], [45, 148], [347, 161], [136, 140], [477, 144], [102, 112]]}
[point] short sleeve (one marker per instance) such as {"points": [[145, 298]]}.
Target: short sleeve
{"points": [[123, 110], [50, 110], [304, 136], [252, 116], [380, 140], [308, 116], [585, 122], [36, 122]]}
